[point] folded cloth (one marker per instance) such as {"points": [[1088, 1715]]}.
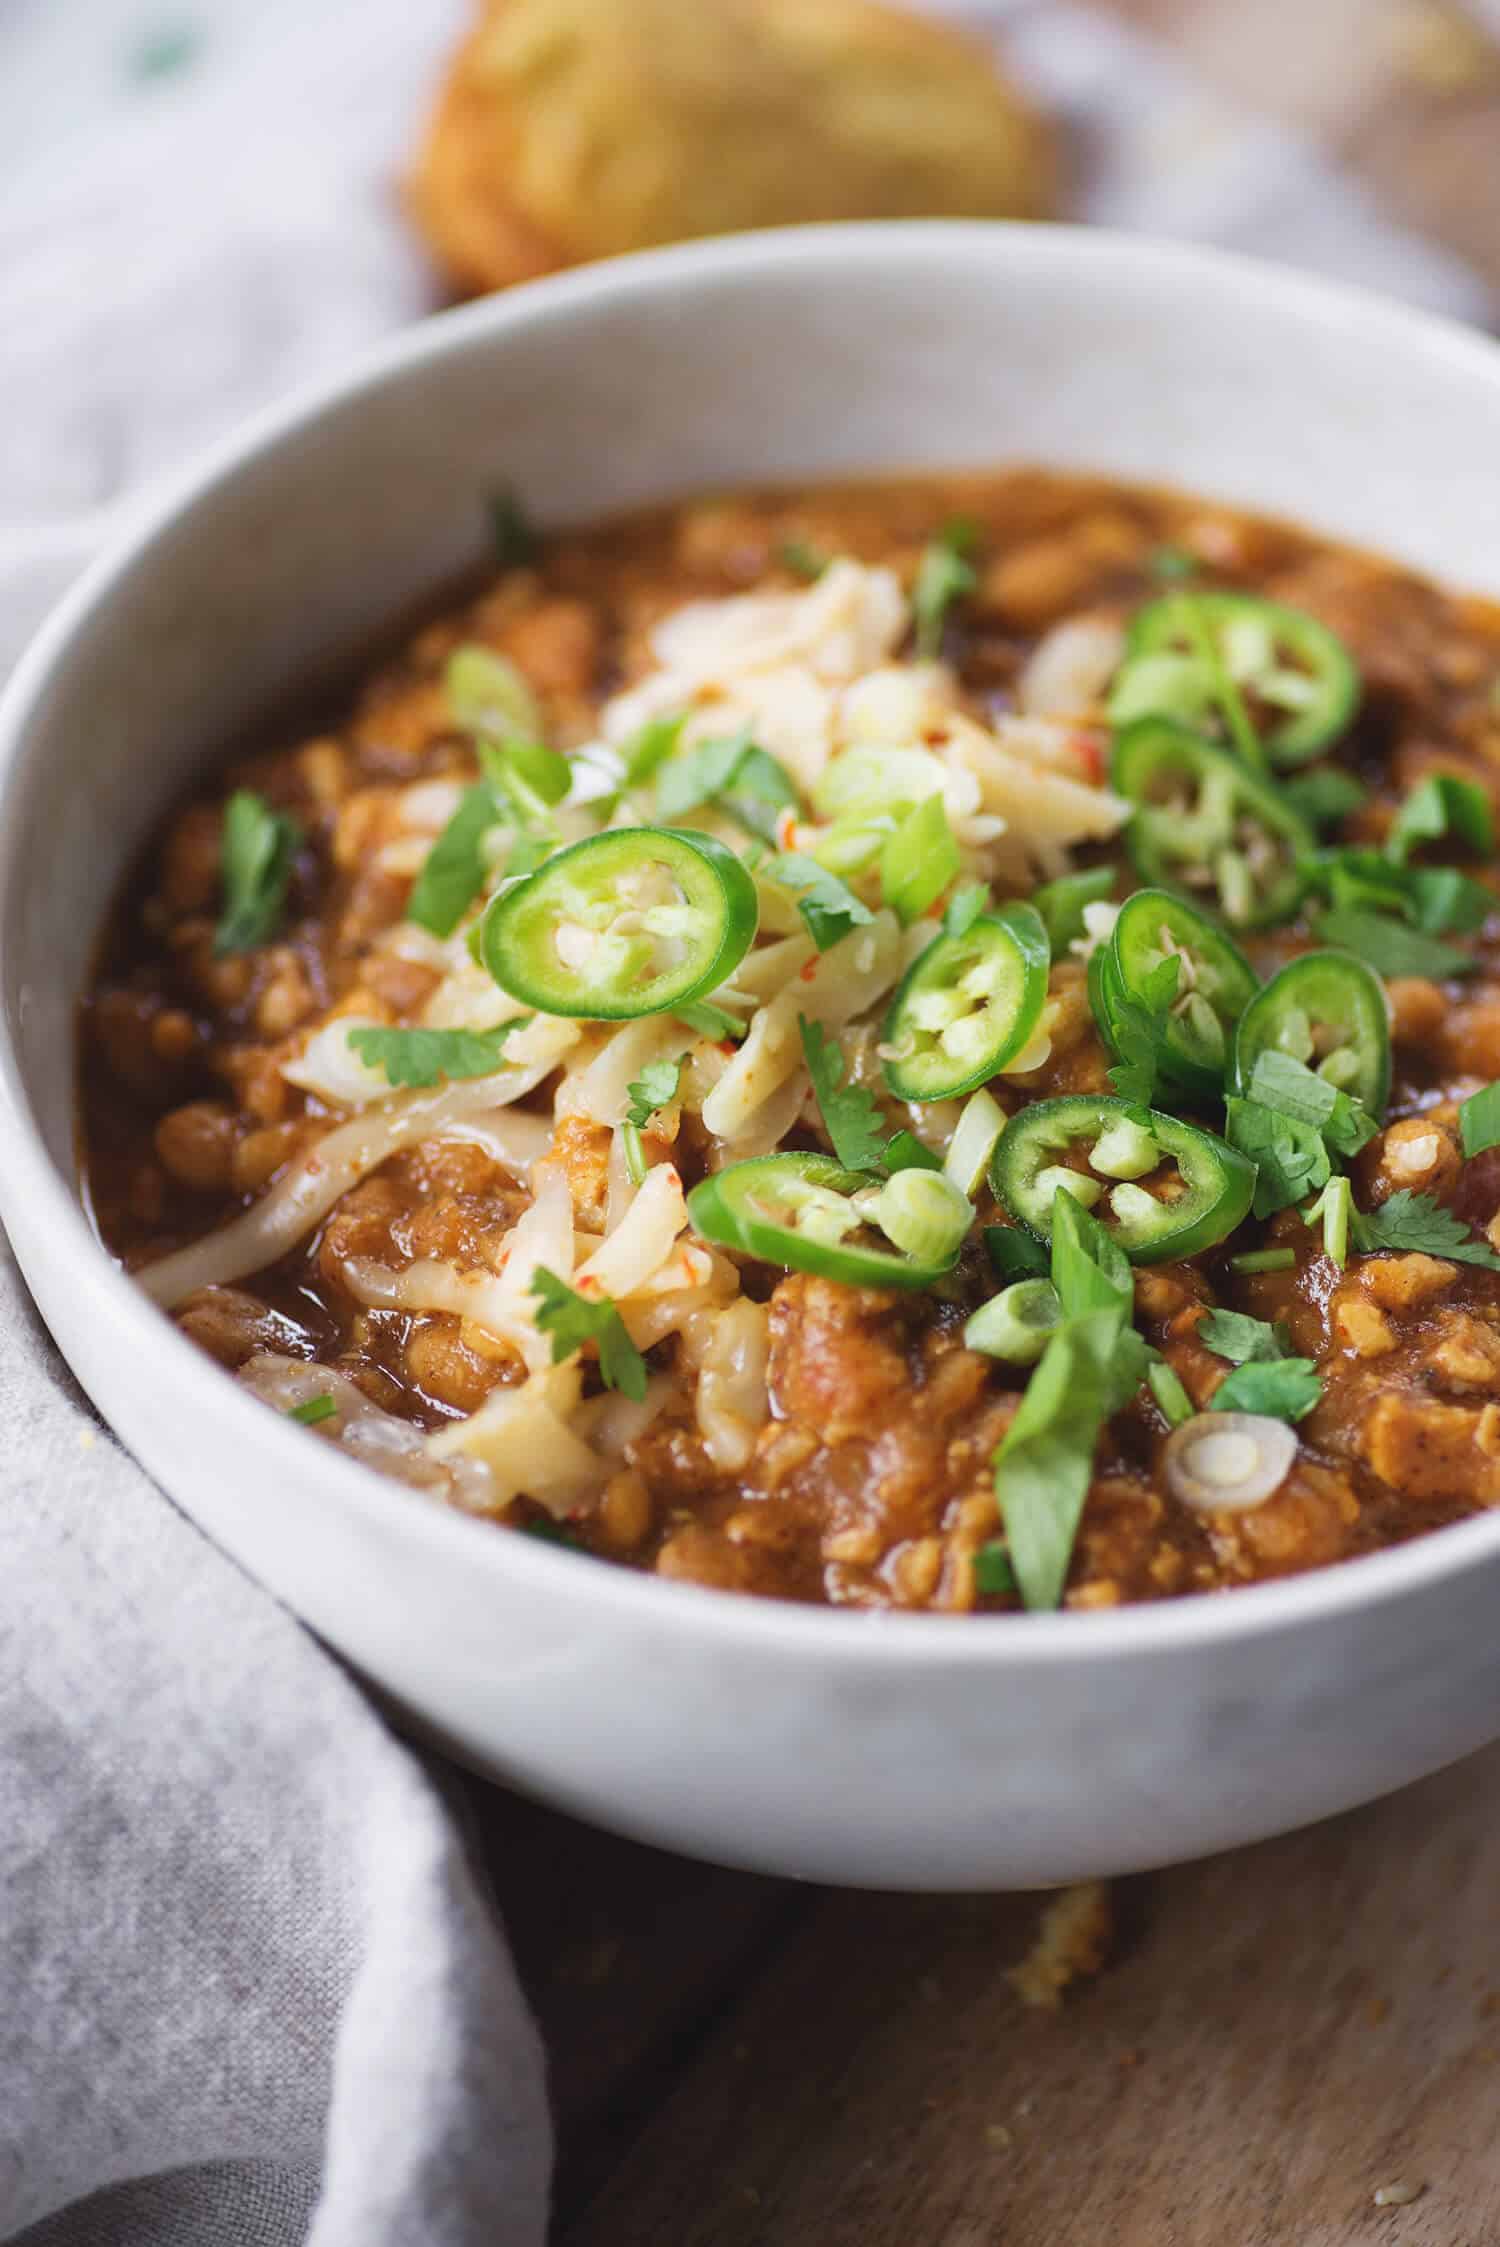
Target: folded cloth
{"points": [[251, 1990]]}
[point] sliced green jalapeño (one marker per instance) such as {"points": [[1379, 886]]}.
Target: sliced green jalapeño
{"points": [[1215, 982], [635, 921], [1293, 679], [1328, 1010], [967, 1006], [799, 1211], [1161, 1187], [1205, 825]]}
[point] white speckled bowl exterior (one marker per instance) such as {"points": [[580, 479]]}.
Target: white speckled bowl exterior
{"points": [[919, 1751]]}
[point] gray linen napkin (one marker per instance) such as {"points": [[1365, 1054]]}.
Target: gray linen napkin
{"points": [[250, 1990], [249, 1981]]}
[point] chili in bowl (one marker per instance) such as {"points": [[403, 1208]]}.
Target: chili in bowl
{"points": [[913, 1051]]}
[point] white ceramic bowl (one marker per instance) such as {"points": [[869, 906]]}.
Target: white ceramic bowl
{"points": [[929, 1751]]}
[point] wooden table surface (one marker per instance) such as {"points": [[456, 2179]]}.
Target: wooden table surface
{"points": [[740, 2062]]}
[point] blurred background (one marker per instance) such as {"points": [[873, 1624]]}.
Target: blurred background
{"points": [[208, 202]]}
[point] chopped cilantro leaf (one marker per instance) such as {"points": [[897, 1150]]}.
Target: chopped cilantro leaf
{"points": [[255, 861], [710, 1021], [1479, 1120], [654, 1089], [1416, 1224], [828, 906], [1243, 1340], [312, 1410], [1439, 806], [1061, 903], [1169, 562], [1325, 795], [944, 575], [1391, 948], [1135, 1026], [421, 1057], [1281, 1082], [455, 869], [850, 1115], [572, 1320], [1281, 1388], [733, 773], [1290, 1157]]}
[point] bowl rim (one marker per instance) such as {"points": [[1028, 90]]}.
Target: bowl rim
{"points": [[751, 1623]]}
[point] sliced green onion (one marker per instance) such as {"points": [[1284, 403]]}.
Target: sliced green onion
{"points": [[312, 1410], [1264, 1260], [973, 1141], [1176, 1405], [919, 861], [634, 1153], [924, 1214], [1333, 1205], [1017, 1323]]}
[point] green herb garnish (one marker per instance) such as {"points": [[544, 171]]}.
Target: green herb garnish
{"points": [[572, 1320], [422, 1057], [1243, 1340], [964, 908], [1091, 1366], [743, 780], [312, 1410], [850, 1116], [1391, 948], [455, 869], [1439, 806], [1138, 1023], [1173, 1401], [828, 906], [944, 575], [1061, 903], [918, 861], [1169, 563], [654, 1089], [710, 1021], [255, 865], [1281, 1389], [1325, 795], [1415, 1224]]}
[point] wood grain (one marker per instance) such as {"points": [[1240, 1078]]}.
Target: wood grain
{"points": [[1289, 2028]]}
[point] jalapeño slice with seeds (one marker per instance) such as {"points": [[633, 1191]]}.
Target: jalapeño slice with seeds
{"points": [[967, 1006], [1329, 1011], [800, 1211], [634, 921], [1204, 825], [1096, 1148], [1215, 982], [1294, 678]]}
